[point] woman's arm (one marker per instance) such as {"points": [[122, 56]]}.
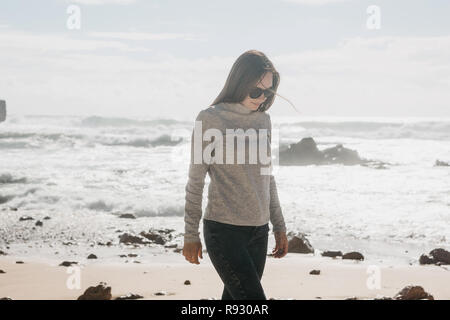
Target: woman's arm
{"points": [[276, 214], [195, 184]]}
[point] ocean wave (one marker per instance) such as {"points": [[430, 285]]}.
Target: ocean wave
{"points": [[8, 178], [436, 130], [163, 140], [21, 140], [96, 121], [166, 211], [99, 205], [5, 199]]}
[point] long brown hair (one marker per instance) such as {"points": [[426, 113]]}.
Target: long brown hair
{"points": [[249, 68]]}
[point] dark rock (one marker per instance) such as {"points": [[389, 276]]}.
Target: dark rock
{"points": [[1, 271], [129, 239], [339, 154], [187, 282], [160, 293], [383, 298], [413, 293], [166, 231], [332, 254], [129, 296], [440, 255], [132, 255], [314, 272], [171, 246], [99, 292], [441, 164], [39, 223], [19, 262], [123, 255], [92, 256], [353, 256], [3, 253], [5, 298], [127, 216], [437, 256], [177, 250], [25, 218], [426, 259], [67, 263], [306, 152], [47, 218], [153, 237], [299, 244]]}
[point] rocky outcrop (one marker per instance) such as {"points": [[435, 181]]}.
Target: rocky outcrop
{"points": [[153, 237], [413, 293], [437, 256], [353, 256], [127, 238], [441, 164], [299, 244], [67, 263], [160, 237], [130, 296], [332, 254], [26, 218], [99, 292], [127, 216], [306, 152]]}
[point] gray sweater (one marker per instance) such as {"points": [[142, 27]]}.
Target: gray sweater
{"points": [[238, 193]]}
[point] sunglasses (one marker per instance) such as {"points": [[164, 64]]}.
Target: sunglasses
{"points": [[256, 92]]}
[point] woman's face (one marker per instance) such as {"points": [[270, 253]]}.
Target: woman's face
{"points": [[266, 82]]}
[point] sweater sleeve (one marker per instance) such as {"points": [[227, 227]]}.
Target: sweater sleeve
{"points": [[195, 184], [276, 214]]}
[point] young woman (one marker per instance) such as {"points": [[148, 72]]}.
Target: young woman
{"points": [[241, 199]]}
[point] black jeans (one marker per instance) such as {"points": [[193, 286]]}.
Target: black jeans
{"points": [[238, 254]]}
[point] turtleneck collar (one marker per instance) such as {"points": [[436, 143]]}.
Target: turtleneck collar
{"points": [[238, 107]]}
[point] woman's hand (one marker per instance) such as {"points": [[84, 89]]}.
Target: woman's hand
{"points": [[192, 250], [281, 247]]}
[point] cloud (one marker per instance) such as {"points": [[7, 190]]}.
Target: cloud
{"points": [[103, 2], [315, 2], [371, 76], [145, 36], [382, 76]]}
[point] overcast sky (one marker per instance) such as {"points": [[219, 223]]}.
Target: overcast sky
{"points": [[166, 58]]}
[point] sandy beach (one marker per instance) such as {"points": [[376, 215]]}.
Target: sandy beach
{"points": [[286, 278]]}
